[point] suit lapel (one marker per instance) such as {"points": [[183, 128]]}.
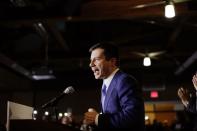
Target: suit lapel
{"points": [[110, 89]]}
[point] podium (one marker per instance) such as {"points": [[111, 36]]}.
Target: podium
{"points": [[38, 125], [19, 118]]}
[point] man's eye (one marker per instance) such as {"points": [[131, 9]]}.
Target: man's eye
{"points": [[97, 59]]}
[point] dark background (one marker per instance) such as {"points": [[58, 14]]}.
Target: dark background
{"points": [[38, 36]]}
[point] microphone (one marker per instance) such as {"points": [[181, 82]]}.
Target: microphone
{"points": [[54, 101]]}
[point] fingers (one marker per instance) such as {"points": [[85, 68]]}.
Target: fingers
{"points": [[182, 93], [194, 80], [91, 110], [89, 117]]}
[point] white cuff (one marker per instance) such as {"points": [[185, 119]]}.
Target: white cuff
{"points": [[96, 120]]}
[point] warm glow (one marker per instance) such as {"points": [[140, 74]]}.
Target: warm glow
{"points": [[46, 113], [35, 112], [147, 61], [65, 114], [146, 117], [60, 114], [169, 11]]}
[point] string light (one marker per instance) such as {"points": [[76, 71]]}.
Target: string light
{"points": [[147, 61], [169, 10]]}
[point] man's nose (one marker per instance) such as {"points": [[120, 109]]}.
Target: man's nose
{"points": [[91, 64]]}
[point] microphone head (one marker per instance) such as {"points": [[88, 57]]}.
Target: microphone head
{"points": [[69, 90]]}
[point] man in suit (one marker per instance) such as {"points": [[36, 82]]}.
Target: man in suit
{"points": [[121, 97], [189, 100]]}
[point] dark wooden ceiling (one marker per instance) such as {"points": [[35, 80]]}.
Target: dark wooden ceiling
{"points": [[70, 27]]}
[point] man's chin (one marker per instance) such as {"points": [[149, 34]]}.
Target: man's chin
{"points": [[97, 77]]}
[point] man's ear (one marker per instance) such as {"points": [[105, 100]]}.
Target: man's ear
{"points": [[114, 61]]}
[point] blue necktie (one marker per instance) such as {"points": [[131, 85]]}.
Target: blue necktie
{"points": [[104, 91]]}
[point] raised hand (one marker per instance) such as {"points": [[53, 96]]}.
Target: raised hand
{"points": [[184, 96], [194, 80]]}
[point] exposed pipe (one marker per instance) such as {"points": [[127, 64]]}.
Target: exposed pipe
{"points": [[13, 65], [187, 63]]}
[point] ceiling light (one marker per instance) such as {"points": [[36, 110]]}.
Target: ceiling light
{"points": [[169, 10], [42, 73], [43, 77], [146, 61]]}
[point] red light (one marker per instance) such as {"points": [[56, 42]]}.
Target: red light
{"points": [[154, 94]]}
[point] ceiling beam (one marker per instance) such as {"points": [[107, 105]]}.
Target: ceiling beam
{"points": [[186, 64], [14, 66]]}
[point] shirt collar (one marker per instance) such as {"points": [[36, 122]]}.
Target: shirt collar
{"points": [[108, 80]]}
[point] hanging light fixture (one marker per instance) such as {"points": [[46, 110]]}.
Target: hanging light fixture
{"points": [[147, 61], [169, 9]]}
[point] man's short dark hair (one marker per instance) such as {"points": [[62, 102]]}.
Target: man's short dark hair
{"points": [[110, 50]]}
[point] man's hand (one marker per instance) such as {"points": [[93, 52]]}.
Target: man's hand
{"points": [[184, 96], [90, 116], [194, 80]]}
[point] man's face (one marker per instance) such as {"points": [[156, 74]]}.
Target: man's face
{"points": [[101, 67]]}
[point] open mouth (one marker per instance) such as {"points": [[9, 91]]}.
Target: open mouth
{"points": [[96, 71]]}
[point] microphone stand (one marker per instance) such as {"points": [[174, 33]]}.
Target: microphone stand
{"points": [[54, 108], [53, 104], [56, 115]]}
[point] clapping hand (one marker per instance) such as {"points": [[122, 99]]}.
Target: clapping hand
{"points": [[184, 96], [194, 80]]}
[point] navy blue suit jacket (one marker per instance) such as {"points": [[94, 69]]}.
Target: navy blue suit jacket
{"points": [[192, 105], [192, 108], [124, 105]]}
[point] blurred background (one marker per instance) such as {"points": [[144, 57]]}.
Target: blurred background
{"points": [[44, 49]]}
